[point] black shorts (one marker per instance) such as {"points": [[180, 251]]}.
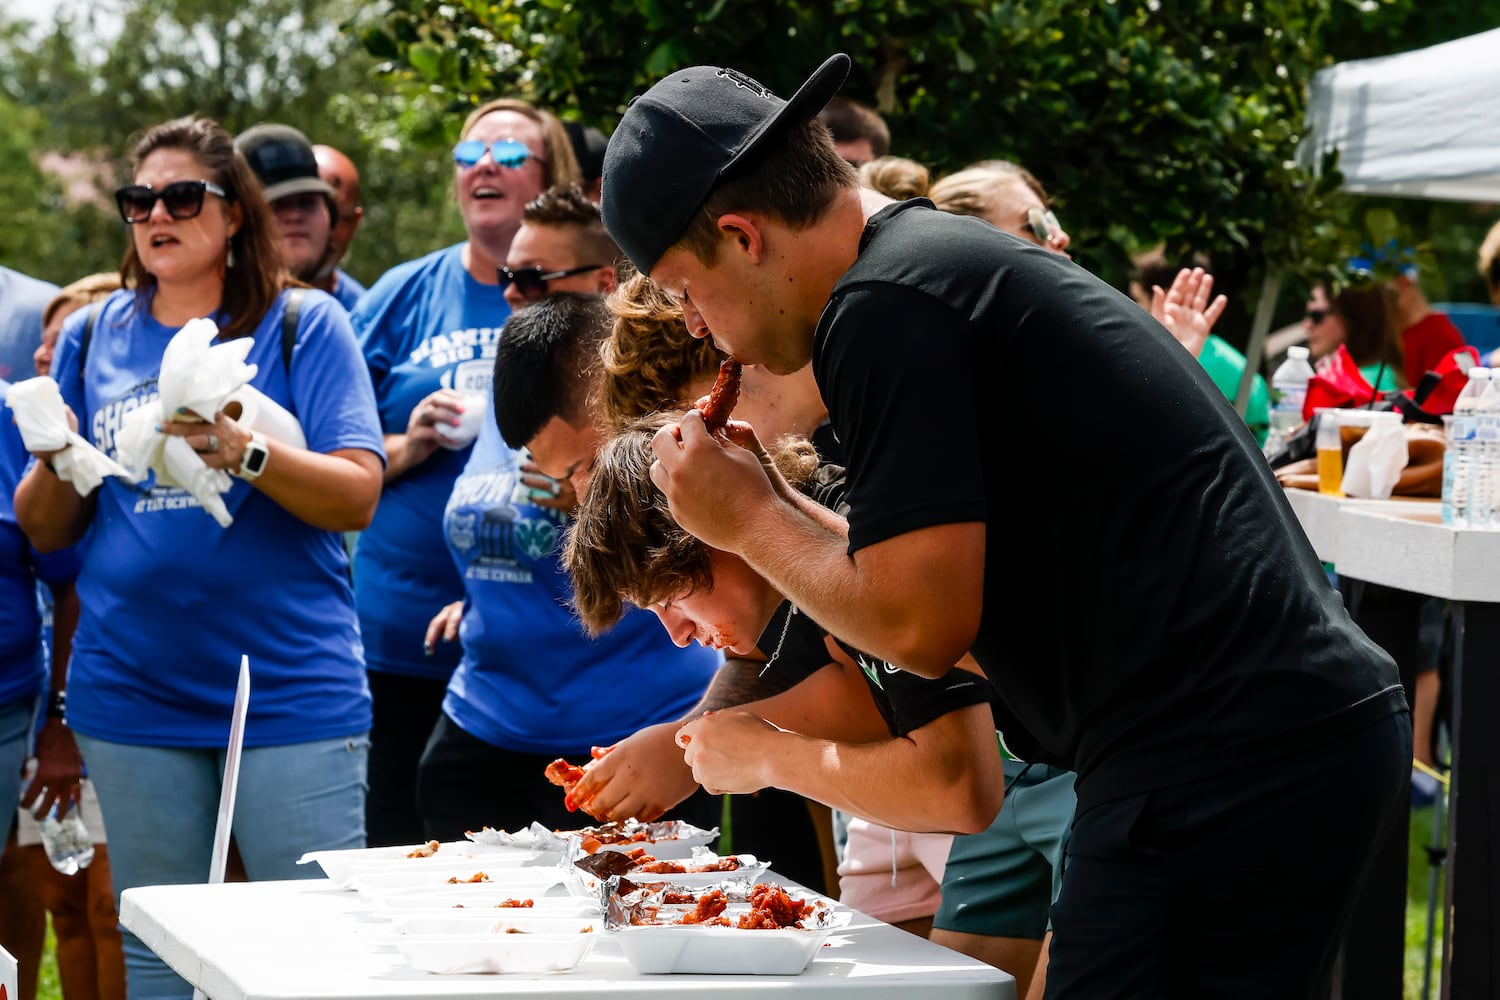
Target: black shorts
{"points": [[1233, 886]]}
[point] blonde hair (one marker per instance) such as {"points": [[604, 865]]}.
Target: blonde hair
{"points": [[85, 291], [1489, 257], [649, 361], [895, 177], [972, 191]]}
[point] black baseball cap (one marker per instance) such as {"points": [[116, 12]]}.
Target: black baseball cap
{"points": [[680, 137], [283, 159]]}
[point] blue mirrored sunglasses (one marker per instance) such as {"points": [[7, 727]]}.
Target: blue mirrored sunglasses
{"points": [[504, 152]]}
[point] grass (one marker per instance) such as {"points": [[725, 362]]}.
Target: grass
{"points": [[1417, 874], [48, 987]]}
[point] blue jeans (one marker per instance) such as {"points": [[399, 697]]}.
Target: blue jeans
{"points": [[15, 743], [161, 804]]}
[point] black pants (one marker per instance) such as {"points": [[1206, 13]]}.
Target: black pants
{"points": [[405, 710], [1234, 886], [464, 783]]}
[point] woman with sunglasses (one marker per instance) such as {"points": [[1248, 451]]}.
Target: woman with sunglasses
{"points": [[428, 330], [1363, 320], [170, 600]]}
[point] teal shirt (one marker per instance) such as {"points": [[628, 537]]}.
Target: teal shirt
{"points": [[1225, 365], [1387, 381]]}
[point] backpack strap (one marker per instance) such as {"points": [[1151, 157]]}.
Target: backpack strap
{"points": [[289, 320], [88, 334]]}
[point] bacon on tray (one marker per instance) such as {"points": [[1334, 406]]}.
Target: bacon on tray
{"points": [[426, 850]]}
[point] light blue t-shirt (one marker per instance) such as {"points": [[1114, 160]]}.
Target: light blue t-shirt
{"points": [[531, 680], [171, 600], [22, 661], [23, 299], [346, 289], [425, 325]]}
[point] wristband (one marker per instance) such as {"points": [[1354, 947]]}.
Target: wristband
{"points": [[57, 705]]}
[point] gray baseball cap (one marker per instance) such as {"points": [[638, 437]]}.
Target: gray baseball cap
{"points": [[283, 159]]}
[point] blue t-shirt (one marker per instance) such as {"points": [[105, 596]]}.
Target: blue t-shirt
{"points": [[22, 661], [531, 680], [346, 289], [171, 600], [424, 326], [22, 301]]}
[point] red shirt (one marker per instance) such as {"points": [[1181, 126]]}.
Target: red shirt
{"points": [[1424, 343]]}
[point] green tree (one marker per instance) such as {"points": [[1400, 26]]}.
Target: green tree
{"points": [[1149, 122], [294, 61]]}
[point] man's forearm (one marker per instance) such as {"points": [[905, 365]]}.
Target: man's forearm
{"points": [[738, 682], [912, 600]]}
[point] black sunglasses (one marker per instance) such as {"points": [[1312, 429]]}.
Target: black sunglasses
{"points": [[1316, 316], [531, 282], [183, 199]]}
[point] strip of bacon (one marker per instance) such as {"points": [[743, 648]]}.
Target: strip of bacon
{"points": [[560, 772], [723, 396]]}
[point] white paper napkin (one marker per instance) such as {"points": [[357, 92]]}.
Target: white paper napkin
{"points": [[42, 417], [196, 377]]}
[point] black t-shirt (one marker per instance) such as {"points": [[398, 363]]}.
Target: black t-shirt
{"points": [[795, 645], [1152, 611]]}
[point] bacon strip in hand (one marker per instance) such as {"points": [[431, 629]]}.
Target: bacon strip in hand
{"points": [[560, 772], [722, 397]]}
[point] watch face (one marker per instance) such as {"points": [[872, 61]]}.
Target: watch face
{"points": [[255, 460]]}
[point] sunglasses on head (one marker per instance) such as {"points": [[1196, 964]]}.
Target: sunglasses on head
{"points": [[1043, 225], [531, 282], [183, 199], [504, 152], [1316, 316]]}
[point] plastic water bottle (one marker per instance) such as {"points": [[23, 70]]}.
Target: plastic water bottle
{"points": [[1289, 393], [67, 841], [1458, 457], [65, 838], [1484, 494]]}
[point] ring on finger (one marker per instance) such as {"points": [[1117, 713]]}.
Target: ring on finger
{"points": [[213, 443]]}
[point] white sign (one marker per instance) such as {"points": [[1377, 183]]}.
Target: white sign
{"points": [[8, 976]]}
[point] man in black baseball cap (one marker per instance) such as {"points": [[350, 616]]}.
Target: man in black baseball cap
{"points": [[301, 200], [1156, 621]]}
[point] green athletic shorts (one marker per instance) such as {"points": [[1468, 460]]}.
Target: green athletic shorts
{"points": [[1002, 882]]}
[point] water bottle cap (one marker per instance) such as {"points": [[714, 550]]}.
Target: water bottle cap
{"points": [[1297, 353]]}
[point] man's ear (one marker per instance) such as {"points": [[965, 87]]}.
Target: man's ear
{"points": [[746, 234], [609, 279]]}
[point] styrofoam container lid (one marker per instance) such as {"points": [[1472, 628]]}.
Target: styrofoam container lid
{"points": [[679, 948]]}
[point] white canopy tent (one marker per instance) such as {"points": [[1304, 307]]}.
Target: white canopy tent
{"points": [[1423, 124]]}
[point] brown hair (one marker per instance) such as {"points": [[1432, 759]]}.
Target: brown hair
{"points": [[85, 291], [895, 177], [561, 165], [793, 176], [649, 360], [1369, 315], [851, 121], [624, 546], [258, 275], [566, 206]]}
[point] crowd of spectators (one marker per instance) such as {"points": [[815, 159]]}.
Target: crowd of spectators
{"points": [[458, 576]]}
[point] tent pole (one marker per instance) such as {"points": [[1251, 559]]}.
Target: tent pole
{"points": [[1270, 288]]}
